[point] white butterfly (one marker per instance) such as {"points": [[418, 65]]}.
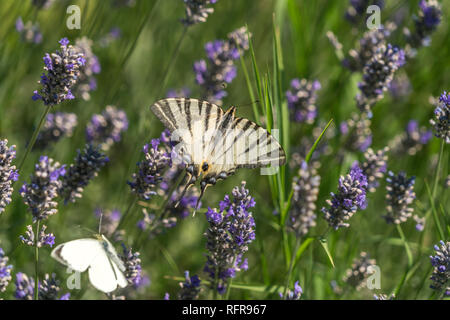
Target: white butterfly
{"points": [[105, 267], [214, 143]]}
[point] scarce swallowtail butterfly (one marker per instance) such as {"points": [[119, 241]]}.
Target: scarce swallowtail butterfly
{"points": [[213, 143], [106, 269]]}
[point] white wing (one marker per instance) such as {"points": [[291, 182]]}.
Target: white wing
{"points": [[78, 254], [105, 275]]}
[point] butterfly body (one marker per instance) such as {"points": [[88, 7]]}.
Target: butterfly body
{"points": [[214, 143]]}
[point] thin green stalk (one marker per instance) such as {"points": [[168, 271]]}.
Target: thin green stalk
{"points": [[36, 262], [229, 282], [34, 137], [405, 243], [171, 62], [127, 212], [438, 168], [291, 266]]}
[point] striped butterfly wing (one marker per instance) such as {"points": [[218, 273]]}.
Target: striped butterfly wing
{"points": [[191, 121], [247, 145]]}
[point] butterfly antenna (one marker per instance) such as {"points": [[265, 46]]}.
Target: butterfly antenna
{"points": [[202, 192], [100, 222]]}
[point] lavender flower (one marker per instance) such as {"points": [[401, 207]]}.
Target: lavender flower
{"points": [[412, 140], [212, 74], [8, 173], [441, 120], [5, 271], [377, 75], [150, 170], [426, 22], [374, 167], [400, 194], [301, 100], [231, 229], [293, 295], [367, 47], [24, 287], [57, 125], [106, 128], [114, 34], [133, 268], [50, 288], [87, 81], [351, 196], [29, 32], [306, 188], [166, 296], [44, 239], [190, 288], [356, 132], [356, 12], [43, 188], [360, 270], [447, 182], [197, 11], [86, 166], [441, 273], [63, 71], [420, 222]]}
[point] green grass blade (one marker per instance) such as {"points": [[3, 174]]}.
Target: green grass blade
{"points": [[435, 214]]}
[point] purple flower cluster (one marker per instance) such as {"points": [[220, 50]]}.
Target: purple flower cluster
{"points": [[426, 22], [356, 12], [86, 166], [190, 288], [197, 11], [293, 295], [441, 120], [412, 140], [441, 273], [43, 238], [374, 167], [29, 32], [219, 69], [133, 268], [356, 276], [301, 100], [231, 229], [377, 75], [39, 195], [106, 128], [8, 173], [400, 87], [150, 170], [356, 132], [350, 197], [49, 288], [302, 215], [57, 125], [400, 194], [63, 71], [87, 81], [367, 47], [5, 271]]}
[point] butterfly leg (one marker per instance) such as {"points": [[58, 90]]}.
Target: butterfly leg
{"points": [[191, 178]]}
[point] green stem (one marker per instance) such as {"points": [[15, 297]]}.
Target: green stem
{"points": [[36, 262], [405, 243], [34, 137], [171, 62], [438, 168], [230, 281], [291, 266], [127, 212]]}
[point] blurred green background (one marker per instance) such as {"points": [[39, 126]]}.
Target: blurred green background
{"points": [[132, 68]]}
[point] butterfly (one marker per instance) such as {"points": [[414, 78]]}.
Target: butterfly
{"points": [[214, 143], [106, 269]]}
